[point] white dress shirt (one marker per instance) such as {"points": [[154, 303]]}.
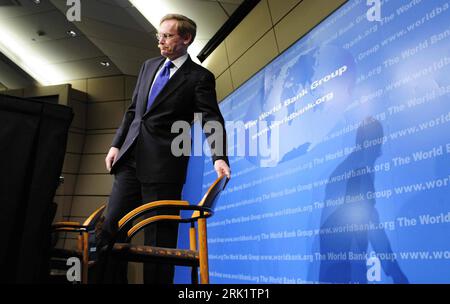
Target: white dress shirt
{"points": [[177, 63]]}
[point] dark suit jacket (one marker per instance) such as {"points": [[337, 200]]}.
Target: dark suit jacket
{"points": [[190, 90]]}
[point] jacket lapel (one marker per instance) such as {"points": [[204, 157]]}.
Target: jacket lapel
{"points": [[172, 85], [150, 75]]}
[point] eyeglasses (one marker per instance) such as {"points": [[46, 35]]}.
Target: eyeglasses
{"points": [[159, 36]]}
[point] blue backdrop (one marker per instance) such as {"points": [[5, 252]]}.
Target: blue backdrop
{"points": [[351, 180]]}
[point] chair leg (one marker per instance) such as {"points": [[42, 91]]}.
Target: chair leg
{"points": [[85, 255], [203, 251], [194, 275]]}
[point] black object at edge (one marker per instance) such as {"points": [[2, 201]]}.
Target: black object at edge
{"points": [[239, 14]]}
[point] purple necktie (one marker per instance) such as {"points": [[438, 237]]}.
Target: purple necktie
{"points": [[159, 83]]}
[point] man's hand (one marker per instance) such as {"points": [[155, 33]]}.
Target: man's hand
{"points": [[111, 157], [222, 168]]}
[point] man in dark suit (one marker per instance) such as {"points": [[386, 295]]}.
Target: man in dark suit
{"points": [[170, 88]]}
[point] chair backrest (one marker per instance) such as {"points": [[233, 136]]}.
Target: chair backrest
{"points": [[211, 196], [92, 220]]}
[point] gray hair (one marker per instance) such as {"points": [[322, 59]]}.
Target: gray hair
{"points": [[185, 25]]}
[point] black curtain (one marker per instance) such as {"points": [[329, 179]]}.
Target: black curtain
{"points": [[33, 138]]}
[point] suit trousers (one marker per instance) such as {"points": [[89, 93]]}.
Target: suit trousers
{"points": [[128, 193]]}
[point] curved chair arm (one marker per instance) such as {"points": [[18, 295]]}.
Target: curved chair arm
{"points": [[76, 226], [66, 224], [146, 208], [68, 227], [93, 218], [144, 223], [149, 207], [200, 211]]}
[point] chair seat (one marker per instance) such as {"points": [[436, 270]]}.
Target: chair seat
{"points": [[142, 253]]}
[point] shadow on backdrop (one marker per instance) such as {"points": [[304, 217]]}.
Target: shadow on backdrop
{"points": [[350, 222]]}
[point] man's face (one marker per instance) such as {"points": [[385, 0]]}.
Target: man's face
{"points": [[171, 44]]}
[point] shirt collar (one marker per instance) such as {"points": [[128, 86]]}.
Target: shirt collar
{"points": [[179, 61]]}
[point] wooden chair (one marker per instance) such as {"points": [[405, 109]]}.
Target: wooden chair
{"points": [[82, 250], [194, 257]]}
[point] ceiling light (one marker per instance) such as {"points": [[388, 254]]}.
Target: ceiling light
{"points": [[71, 33], [37, 1], [153, 11], [36, 66], [105, 63]]}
